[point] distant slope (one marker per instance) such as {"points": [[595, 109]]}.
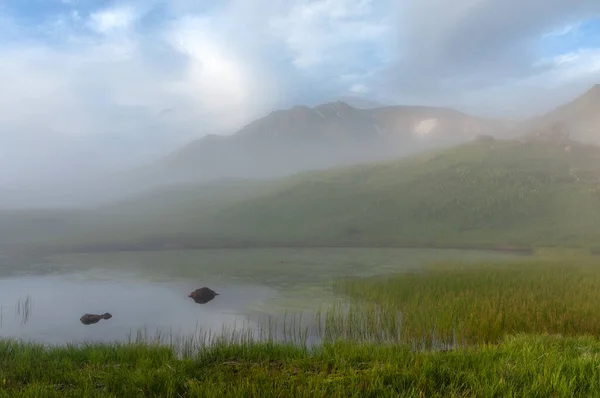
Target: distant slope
{"points": [[278, 144], [581, 117], [487, 193], [329, 135], [302, 138]]}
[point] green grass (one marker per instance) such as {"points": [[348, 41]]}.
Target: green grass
{"points": [[523, 328], [523, 365], [482, 303], [477, 195]]}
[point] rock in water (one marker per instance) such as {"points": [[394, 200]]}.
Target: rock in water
{"points": [[203, 295], [89, 319]]}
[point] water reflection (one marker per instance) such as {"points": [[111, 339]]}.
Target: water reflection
{"points": [[134, 303], [22, 311], [148, 296]]}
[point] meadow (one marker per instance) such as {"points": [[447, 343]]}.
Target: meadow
{"points": [[525, 327]]}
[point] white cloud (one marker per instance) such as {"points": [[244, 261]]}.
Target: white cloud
{"points": [[113, 19], [563, 30], [359, 88], [106, 94], [475, 46], [214, 79], [318, 32], [567, 76], [98, 81], [575, 65]]}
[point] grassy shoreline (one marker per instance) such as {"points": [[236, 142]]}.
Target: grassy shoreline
{"points": [[530, 328], [521, 365], [158, 247]]}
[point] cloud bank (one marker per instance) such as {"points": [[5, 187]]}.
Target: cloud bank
{"points": [[90, 85]]}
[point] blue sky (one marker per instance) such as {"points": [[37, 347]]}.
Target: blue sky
{"points": [[86, 83]]}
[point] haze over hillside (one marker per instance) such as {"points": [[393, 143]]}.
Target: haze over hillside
{"points": [[307, 138], [328, 135], [580, 117], [280, 143], [96, 94], [486, 193]]}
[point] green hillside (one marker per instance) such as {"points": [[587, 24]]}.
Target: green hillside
{"points": [[498, 193], [545, 191]]}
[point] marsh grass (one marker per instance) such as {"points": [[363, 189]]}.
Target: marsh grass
{"points": [[482, 303], [22, 310], [524, 328]]}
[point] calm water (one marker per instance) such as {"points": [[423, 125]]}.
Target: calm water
{"points": [[148, 291]]}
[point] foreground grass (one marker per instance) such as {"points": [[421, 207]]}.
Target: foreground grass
{"points": [[482, 303], [524, 365], [531, 328]]}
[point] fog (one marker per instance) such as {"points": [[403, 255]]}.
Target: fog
{"points": [[267, 148], [97, 99]]}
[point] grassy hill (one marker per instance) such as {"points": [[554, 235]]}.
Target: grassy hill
{"points": [[488, 193], [500, 193]]}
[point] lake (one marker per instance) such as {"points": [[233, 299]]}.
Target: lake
{"points": [[42, 300]]}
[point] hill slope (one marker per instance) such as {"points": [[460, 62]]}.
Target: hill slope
{"points": [[481, 194], [581, 117], [336, 134], [303, 138], [328, 135], [278, 144]]}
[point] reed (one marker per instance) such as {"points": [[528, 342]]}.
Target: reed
{"points": [[482, 303]]}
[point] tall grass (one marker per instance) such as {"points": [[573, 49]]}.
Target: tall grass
{"points": [[541, 316], [482, 303], [443, 307], [22, 310]]}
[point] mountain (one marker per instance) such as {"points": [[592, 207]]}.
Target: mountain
{"points": [[360, 102], [485, 193], [305, 138], [580, 117], [328, 135], [336, 134], [281, 143]]}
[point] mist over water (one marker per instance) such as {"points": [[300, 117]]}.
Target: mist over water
{"points": [[158, 308], [42, 300]]}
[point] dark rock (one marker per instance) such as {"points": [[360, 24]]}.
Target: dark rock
{"points": [[203, 295], [89, 319]]}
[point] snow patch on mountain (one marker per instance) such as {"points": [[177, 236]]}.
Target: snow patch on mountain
{"points": [[426, 126]]}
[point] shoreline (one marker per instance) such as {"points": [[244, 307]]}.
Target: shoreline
{"points": [[144, 247]]}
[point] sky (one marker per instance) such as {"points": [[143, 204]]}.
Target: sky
{"points": [[87, 85]]}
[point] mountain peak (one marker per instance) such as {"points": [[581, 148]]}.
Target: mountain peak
{"points": [[335, 105]]}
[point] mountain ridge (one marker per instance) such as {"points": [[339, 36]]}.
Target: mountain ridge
{"points": [[329, 135], [300, 138]]}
